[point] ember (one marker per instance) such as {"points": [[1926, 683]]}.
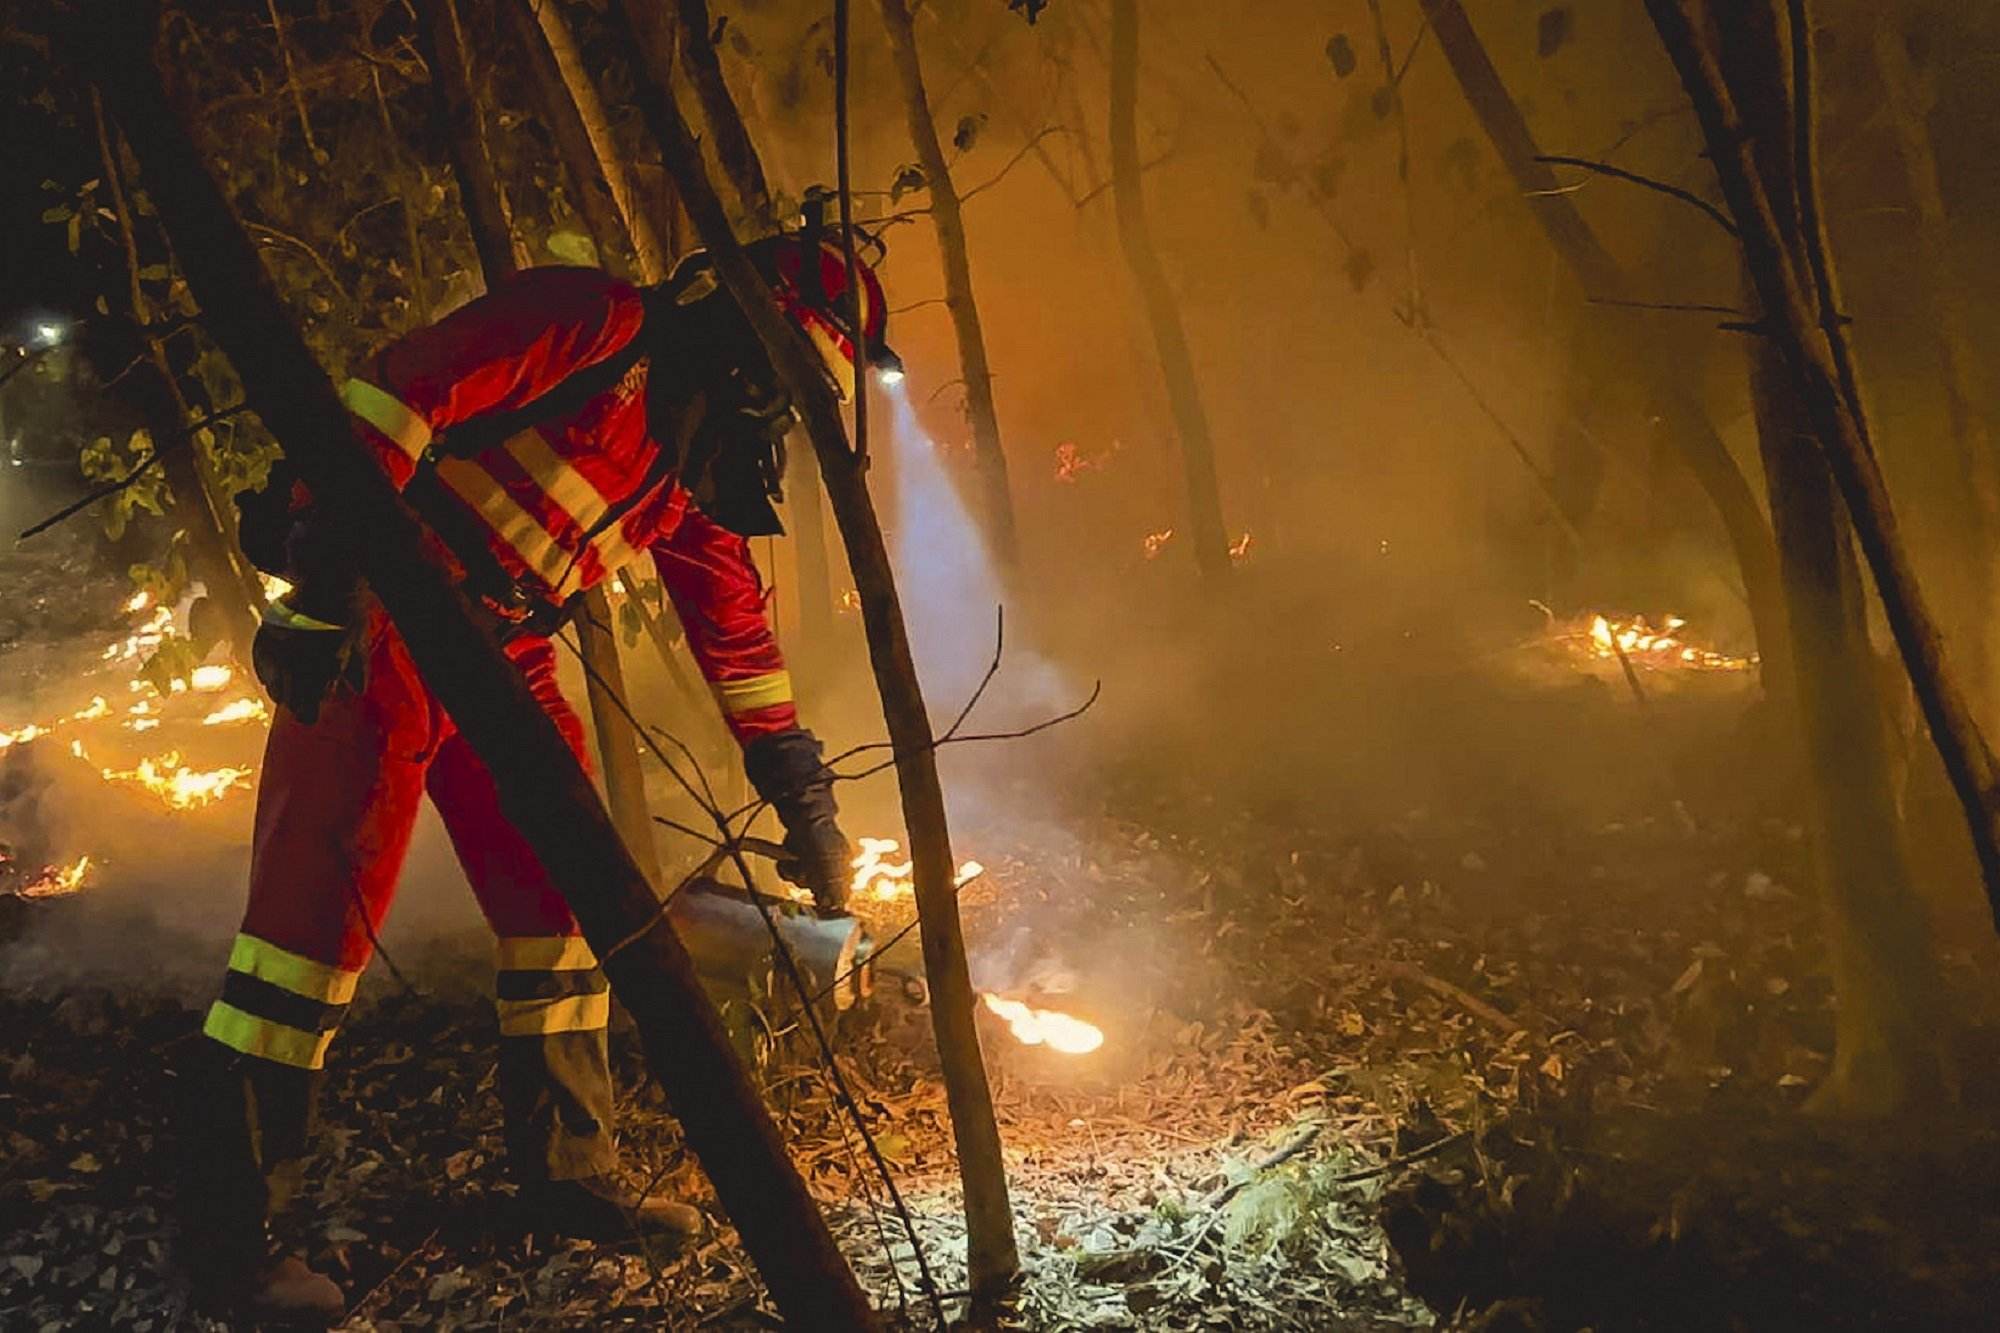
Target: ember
{"points": [[1155, 540], [1045, 1027], [246, 709], [181, 787], [1662, 648], [57, 881]]}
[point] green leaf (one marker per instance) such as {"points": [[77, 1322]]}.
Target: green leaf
{"points": [[572, 248], [153, 272], [60, 213]]}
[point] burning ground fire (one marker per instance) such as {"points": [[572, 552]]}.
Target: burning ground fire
{"points": [[879, 877], [1595, 637], [167, 776]]}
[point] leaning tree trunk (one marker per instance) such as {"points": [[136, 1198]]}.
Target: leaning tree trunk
{"points": [[569, 126], [543, 790], [1686, 422], [989, 458], [1813, 343], [679, 39], [1886, 1052], [229, 583], [442, 42], [1156, 295], [990, 1246], [1908, 104], [597, 170], [649, 241], [463, 126], [687, 33]]}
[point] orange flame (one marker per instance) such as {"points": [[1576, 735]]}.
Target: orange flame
{"points": [[181, 787], [881, 879], [57, 881], [1239, 550], [246, 709], [1045, 1027], [1665, 647]]}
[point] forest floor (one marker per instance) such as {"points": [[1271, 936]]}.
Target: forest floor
{"points": [[1500, 1059]]}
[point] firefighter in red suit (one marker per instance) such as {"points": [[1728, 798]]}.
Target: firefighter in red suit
{"points": [[559, 429]]}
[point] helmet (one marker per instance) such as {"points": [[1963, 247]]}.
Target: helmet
{"points": [[814, 296]]}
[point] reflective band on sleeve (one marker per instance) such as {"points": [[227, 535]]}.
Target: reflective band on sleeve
{"points": [[264, 1039], [568, 1013], [277, 613], [388, 414], [545, 953], [753, 692], [292, 972]]}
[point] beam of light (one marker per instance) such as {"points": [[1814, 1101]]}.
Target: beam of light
{"points": [[949, 585]]}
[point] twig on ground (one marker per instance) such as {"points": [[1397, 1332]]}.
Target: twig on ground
{"points": [[1458, 995]]}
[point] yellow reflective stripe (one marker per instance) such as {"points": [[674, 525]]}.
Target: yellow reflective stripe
{"points": [[277, 613], [514, 525], [753, 692], [261, 1037], [568, 1013], [545, 953], [388, 414], [570, 489], [289, 971], [574, 494]]}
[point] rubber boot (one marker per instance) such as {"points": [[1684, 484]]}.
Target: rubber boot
{"points": [[242, 1127]]}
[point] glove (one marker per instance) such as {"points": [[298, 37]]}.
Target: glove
{"points": [[301, 660], [785, 768]]}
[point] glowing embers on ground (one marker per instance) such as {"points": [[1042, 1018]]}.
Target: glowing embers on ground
{"points": [[247, 709], [1045, 1027], [1663, 648], [57, 881], [165, 776], [149, 635]]}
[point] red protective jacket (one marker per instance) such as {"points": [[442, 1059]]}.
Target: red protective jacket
{"points": [[540, 493]]}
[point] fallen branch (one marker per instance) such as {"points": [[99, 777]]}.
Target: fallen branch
{"points": [[1458, 995]]}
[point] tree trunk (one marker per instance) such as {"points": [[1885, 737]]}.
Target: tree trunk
{"points": [[226, 577], [542, 789], [1814, 349], [1156, 295], [1885, 1049], [679, 40], [688, 32], [463, 126], [569, 126], [988, 456], [457, 111], [991, 1253], [649, 243], [805, 508], [1908, 103], [1685, 420]]}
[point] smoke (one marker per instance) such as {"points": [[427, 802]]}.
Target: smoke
{"points": [[952, 595]]}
